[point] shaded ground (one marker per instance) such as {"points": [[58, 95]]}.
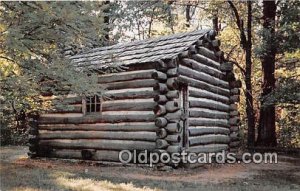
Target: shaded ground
{"points": [[20, 173]]}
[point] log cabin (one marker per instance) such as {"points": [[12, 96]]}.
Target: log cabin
{"points": [[174, 93]]}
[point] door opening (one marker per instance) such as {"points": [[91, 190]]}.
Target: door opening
{"points": [[184, 104]]}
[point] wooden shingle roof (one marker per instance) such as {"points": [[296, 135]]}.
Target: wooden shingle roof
{"points": [[149, 50]]}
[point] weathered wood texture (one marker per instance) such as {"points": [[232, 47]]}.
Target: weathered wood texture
{"points": [[126, 120], [118, 135], [129, 126]]}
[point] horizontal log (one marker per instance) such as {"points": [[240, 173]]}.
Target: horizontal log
{"points": [[206, 113], [183, 70], [205, 86], [205, 103], [138, 117], [159, 76], [208, 62], [172, 106], [172, 72], [97, 144], [174, 127], [125, 76], [129, 94], [202, 130], [199, 66], [173, 94], [137, 126], [198, 93], [211, 148], [176, 116], [226, 67], [98, 155], [128, 105], [207, 53], [208, 139], [208, 122], [173, 138], [159, 110], [161, 133], [161, 122], [160, 87], [117, 135], [130, 84], [161, 144]]}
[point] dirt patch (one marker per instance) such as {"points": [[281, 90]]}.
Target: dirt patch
{"points": [[18, 172]]}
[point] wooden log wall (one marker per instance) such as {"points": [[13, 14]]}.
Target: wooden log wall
{"points": [[167, 111], [213, 120], [126, 120]]}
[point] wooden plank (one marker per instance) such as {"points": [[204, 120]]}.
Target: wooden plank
{"points": [[202, 130], [207, 113], [203, 85], [208, 139], [128, 105], [125, 76], [130, 93], [199, 66], [208, 122], [117, 135], [131, 126], [186, 71], [198, 93], [204, 60], [209, 104]]}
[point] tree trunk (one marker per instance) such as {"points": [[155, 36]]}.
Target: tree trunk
{"points": [[266, 128], [246, 42], [248, 71]]}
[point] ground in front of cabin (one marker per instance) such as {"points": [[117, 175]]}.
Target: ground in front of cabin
{"points": [[20, 173]]}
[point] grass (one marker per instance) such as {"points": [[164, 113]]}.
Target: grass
{"points": [[56, 175]]}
